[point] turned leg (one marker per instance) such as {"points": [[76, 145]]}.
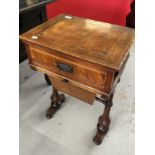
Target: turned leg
{"points": [[56, 101], [103, 122]]}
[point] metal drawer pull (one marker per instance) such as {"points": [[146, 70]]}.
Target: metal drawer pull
{"points": [[64, 67], [65, 81]]}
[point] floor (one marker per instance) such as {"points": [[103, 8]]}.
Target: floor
{"points": [[71, 130]]}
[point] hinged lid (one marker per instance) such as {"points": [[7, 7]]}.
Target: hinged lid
{"points": [[98, 42]]}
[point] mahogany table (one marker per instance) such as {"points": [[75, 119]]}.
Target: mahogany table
{"points": [[83, 58]]}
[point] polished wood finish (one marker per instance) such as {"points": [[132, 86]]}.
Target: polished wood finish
{"points": [[71, 88], [100, 43], [81, 73], [83, 58]]}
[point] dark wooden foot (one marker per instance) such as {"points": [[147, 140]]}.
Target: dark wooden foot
{"points": [[103, 122], [56, 101]]}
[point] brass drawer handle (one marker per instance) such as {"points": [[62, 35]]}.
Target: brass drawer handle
{"points": [[64, 67], [65, 81]]}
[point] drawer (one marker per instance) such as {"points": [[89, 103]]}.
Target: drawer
{"points": [[70, 88], [67, 68]]}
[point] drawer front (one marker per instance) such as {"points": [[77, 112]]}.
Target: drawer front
{"points": [[67, 68], [70, 88]]}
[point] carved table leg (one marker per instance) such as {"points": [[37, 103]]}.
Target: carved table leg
{"points": [[56, 101], [103, 122]]}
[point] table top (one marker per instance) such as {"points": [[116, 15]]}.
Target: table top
{"points": [[25, 5], [101, 43]]}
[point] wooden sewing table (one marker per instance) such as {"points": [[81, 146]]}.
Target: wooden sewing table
{"points": [[83, 58]]}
